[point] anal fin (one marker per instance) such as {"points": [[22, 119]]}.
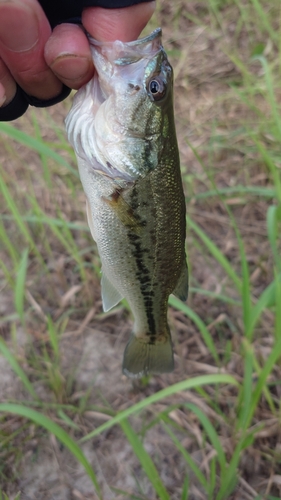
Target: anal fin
{"points": [[110, 295], [181, 289]]}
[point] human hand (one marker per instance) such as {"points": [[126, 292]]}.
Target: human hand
{"points": [[40, 60]]}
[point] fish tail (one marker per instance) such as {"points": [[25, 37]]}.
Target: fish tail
{"points": [[142, 358]]}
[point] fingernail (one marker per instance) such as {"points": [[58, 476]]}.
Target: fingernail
{"points": [[71, 67], [19, 27]]}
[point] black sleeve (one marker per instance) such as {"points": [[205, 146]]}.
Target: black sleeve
{"points": [[60, 11]]}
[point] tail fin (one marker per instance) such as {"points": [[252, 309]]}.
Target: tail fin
{"points": [[142, 358]]}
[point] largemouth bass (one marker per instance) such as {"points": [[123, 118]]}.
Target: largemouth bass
{"points": [[121, 127]]}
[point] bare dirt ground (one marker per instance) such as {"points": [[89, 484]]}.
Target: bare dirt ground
{"points": [[90, 367]]}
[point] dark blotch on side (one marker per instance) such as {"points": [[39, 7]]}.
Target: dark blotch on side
{"points": [[142, 274]]}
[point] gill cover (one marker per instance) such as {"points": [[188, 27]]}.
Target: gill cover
{"points": [[115, 125]]}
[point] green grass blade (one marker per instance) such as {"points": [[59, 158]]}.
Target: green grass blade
{"points": [[278, 310], [178, 304], [145, 460], [43, 158], [3, 496], [158, 396], [53, 335], [195, 469], [272, 228], [271, 96], [36, 145], [5, 240], [63, 234], [264, 192], [8, 276], [17, 216], [60, 434], [126, 495], [269, 162], [246, 389], [229, 480], [264, 20], [246, 292], [214, 295], [266, 299], [50, 221], [274, 356], [20, 285], [185, 488], [217, 254], [213, 477], [266, 390], [16, 367], [67, 420], [212, 434]]}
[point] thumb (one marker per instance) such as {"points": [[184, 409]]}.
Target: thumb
{"points": [[123, 24]]}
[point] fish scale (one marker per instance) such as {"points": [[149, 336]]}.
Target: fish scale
{"points": [[129, 166]]}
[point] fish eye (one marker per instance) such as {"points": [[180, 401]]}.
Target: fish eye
{"points": [[154, 87], [157, 88]]}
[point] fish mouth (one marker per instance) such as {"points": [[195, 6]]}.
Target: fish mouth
{"points": [[140, 41], [123, 53]]}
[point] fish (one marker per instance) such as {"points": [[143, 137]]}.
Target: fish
{"points": [[122, 128]]}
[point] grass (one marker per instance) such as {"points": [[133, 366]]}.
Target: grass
{"points": [[211, 429]]}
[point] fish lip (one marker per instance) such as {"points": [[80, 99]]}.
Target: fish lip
{"points": [[157, 33], [124, 53]]}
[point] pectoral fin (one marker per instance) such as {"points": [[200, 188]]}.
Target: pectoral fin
{"points": [[181, 289], [123, 211], [110, 296]]}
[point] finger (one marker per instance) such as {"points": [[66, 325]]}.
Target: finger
{"points": [[24, 30], [2, 95], [123, 24], [7, 85], [68, 54]]}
